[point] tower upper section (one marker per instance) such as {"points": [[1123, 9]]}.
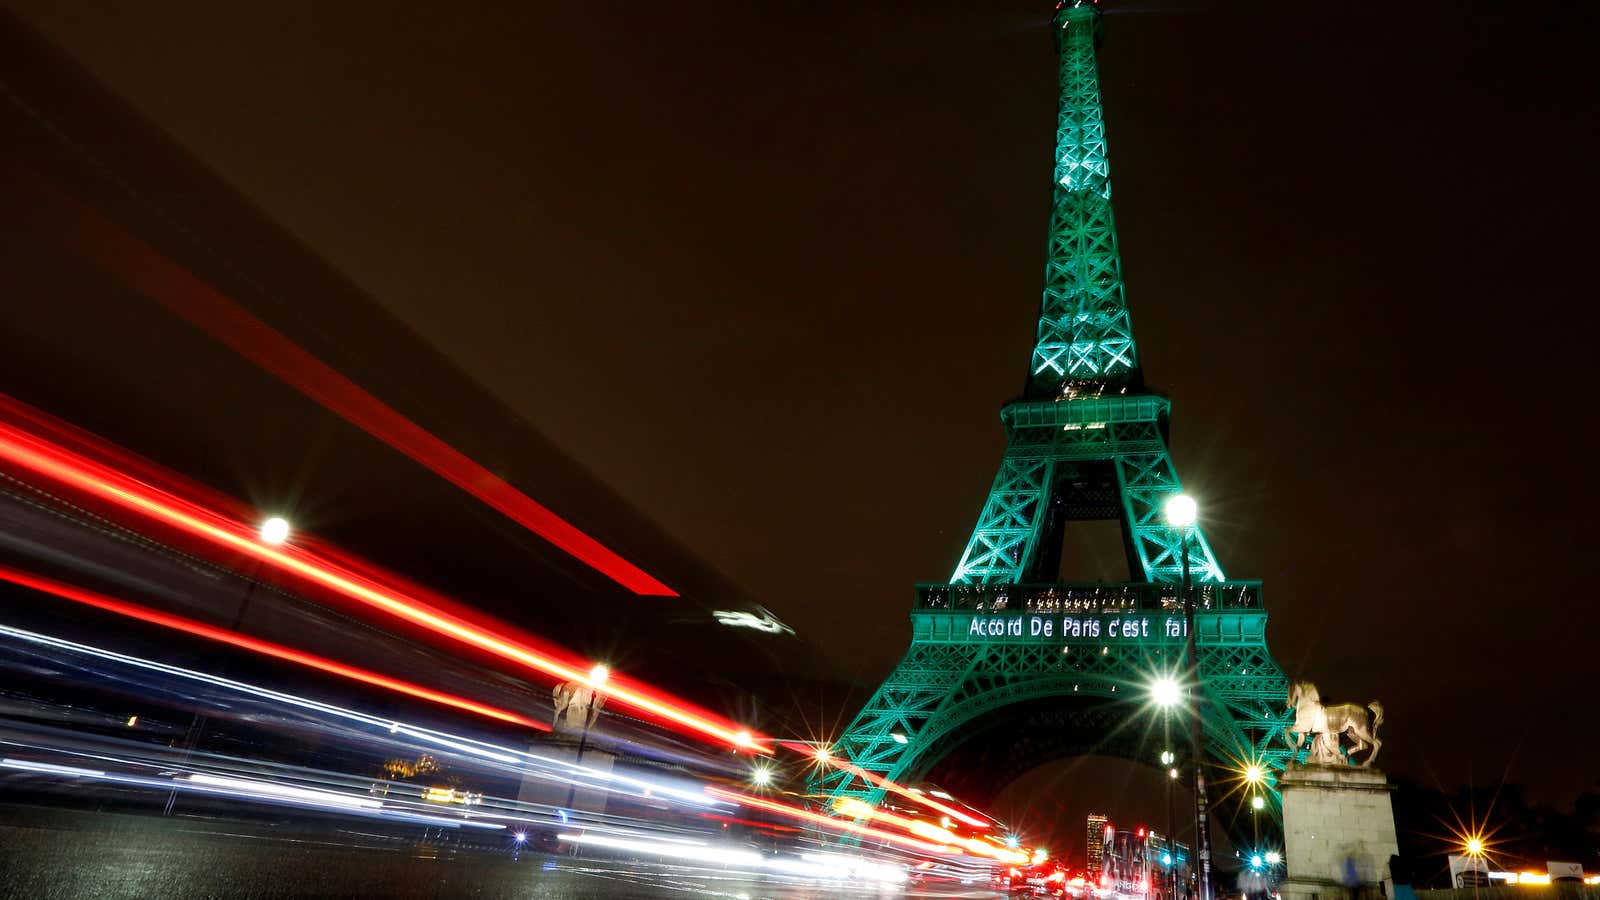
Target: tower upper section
{"points": [[1085, 338]]}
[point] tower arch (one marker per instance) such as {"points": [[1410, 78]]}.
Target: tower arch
{"points": [[1085, 441]]}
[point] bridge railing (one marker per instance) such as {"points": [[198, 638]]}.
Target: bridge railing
{"points": [[1094, 597]]}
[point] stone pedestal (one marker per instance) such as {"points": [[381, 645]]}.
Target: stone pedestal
{"points": [[1338, 832], [546, 791]]}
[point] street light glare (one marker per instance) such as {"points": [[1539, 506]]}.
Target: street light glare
{"points": [[1474, 846], [1253, 774], [1258, 803], [1167, 758], [599, 674], [1273, 858], [1181, 510], [1173, 773], [275, 530], [761, 776], [1164, 692]]}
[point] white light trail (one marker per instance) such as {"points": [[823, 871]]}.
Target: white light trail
{"points": [[287, 792], [638, 787], [832, 867]]}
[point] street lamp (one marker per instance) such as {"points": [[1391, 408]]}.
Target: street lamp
{"points": [[1474, 846], [592, 701], [272, 531], [1258, 803], [1253, 774], [275, 530], [760, 776], [1181, 513], [1171, 857], [1165, 693], [1273, 858]]}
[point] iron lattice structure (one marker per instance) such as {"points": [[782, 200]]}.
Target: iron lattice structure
{"points": [[1084, 330], [1085, 441]]}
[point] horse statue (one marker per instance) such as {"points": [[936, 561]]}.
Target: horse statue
{"points": [[1326, 724], [577, 706]]}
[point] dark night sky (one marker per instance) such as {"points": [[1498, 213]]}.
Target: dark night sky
{"points": [[771, 269]]}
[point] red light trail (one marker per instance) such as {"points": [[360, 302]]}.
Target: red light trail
{"points": [[806, 815], [266, 648], [886, 784], [107, 485], [144, 268]]}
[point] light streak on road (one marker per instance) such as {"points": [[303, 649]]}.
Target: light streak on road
{"points": [[256, 645], [107, 485], [246, 789], [806, 815], [823, 758], [860, 810], [544, 766], [287, 792], [51, 768], [831, 867]]}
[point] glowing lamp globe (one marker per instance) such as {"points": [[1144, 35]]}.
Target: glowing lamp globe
{"points": [[1165, 692], [1258, 803], [275, 530], [1181, 510], [1474, 847], [1253, 774]]}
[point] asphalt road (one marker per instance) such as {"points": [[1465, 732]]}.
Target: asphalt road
{"points": [[57, 854]]}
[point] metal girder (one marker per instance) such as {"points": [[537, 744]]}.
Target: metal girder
{"points": [[1084, 333], [941, 687], [1005, 543]]}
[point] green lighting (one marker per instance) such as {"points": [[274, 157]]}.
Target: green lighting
{"points": [[1085, 442]]}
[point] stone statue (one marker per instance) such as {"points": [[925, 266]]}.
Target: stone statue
{"points": [[1326, 724], [577, 706]]}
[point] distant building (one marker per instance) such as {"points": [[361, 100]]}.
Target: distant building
{"points": [[1094, 838]]}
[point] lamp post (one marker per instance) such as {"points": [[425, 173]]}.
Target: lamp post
{"points": [[1257, 804], [273, 532], [1181, 512], [592, 701], [1167, 760]]}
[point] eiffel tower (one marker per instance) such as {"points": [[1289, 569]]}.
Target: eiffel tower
{"points": [[1009, 668]]}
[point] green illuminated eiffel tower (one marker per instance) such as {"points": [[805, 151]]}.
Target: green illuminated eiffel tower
{"points": [[1086, 441]]}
